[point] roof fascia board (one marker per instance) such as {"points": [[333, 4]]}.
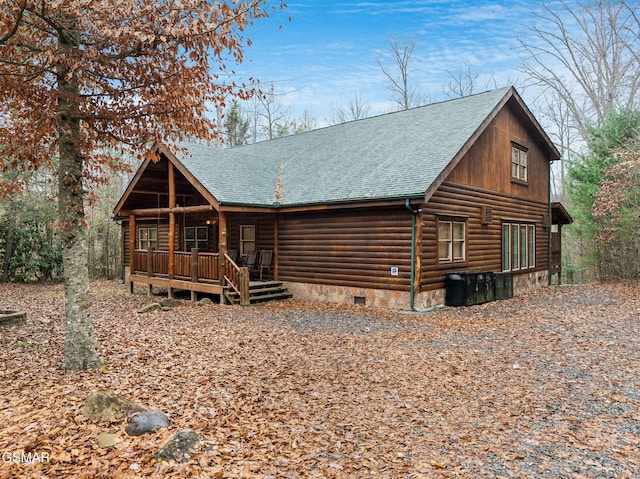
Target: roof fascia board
{"points": [[374, 202], [554, 153], [132, 184], [369, 203]]}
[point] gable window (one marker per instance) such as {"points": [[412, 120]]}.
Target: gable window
{"points": [[196, 237], [147, 238], [519, 163], [247, 239], [518, 246], [451, 240]]}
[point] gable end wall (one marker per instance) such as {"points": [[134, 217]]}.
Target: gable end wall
{"points": [[483, 178]]}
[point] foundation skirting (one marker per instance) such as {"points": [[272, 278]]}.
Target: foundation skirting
{"points": [[389, 299]]}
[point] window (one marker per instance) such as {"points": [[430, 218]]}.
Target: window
{"points": [[518, 246], [506, 247], [196, 237], [247, 239], [519, 166], [451, 241], [147, 238], [532, 245]]}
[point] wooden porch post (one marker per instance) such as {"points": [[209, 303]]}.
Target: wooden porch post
{"points": [[132, 248], [243, 280], [172, 222], [222, 242], [275, 249]]}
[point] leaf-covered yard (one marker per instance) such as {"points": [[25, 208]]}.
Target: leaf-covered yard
{"points": [[544, 385]]}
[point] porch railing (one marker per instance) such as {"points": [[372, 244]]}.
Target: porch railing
{"points": [[237, 279], [193, 266]]}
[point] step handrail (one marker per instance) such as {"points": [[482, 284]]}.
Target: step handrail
{"points": [[237, 278]]}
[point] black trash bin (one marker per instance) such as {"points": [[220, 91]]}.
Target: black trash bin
{"points": [[484, 288], [503, 285], [466, 288], [456, 289]]}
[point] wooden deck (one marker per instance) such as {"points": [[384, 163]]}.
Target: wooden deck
{"points": [[194, 271], [197, 272]]}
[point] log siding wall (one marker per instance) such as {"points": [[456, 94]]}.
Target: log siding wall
{"points": [[355, 248], [265, 229], [484, 241]]}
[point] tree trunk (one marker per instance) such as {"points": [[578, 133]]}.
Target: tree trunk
{"points": [[8, 250], [79, 348]]}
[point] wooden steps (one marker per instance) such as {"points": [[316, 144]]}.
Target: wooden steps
{"points": [[260, 292]]}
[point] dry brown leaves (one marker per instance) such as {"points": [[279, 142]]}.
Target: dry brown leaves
{"points": [[544, 385]]}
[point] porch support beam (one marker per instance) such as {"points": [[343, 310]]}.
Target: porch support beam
{"points": [[172, 222], [175, 209], [132, 242], [276, 254], [222, 242]]}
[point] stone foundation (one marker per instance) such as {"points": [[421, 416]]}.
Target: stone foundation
{"points": [[429, 299], [530, 280], [376, 298], [387, 299]]}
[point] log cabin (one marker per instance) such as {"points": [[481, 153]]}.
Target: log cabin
{"points": [[376, 211]]}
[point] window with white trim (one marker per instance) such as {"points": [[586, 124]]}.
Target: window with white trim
{"points": [[452, 243], [519, 163], [518, 246], [247, 239], [196, 237], [147, 238]]}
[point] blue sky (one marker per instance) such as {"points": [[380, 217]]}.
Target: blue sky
{"points": [[327, 52]]}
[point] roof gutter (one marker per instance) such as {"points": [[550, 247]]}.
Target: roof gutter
{"points": [[311, 204], [412, 289]]}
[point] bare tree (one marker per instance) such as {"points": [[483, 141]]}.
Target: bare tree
{"points": [[464, 82], [554, 111], [586, 53], [269, 115], [306, 122], [405, 94], [356, 109]]}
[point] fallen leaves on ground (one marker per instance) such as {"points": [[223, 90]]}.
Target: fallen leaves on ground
{"points": [[543, 385]]}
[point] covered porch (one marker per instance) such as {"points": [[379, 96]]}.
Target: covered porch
{"points": [[177, 236], [190, 253]]}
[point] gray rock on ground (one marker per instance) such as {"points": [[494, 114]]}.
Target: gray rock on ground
{"points": [[150, 307], [180, 446], [145, 422]]}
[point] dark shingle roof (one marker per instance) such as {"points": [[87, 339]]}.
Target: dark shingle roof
{"points": [[395, 155]]}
